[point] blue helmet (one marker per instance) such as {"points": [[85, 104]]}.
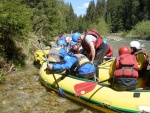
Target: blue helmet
{"points": [[75, 36], [63, 52], [105, 42], [61, 42], [72, 43]]}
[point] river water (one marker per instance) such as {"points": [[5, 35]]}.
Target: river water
{"points": [[23, 93]]}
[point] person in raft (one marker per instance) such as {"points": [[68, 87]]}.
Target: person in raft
{"points": [[93, 44], [76, 48], [60, 37], [76, 64], [123, 71], [109, 53], [142, 59]]}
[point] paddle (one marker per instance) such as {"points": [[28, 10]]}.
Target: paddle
{"points": [[35, 46], [86, 87], [60, 90], [112, 58]]}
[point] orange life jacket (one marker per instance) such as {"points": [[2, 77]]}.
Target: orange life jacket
{"points": [[126, 66], [146, 62], [97, 42]]}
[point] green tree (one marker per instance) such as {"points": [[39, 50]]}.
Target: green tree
{"points": [[72, 20], [63, 10], [14, 26], [91, 13], [82, 24], [115, 11], [46, 18], [100, 8]]}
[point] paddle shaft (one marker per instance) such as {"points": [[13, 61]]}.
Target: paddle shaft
{"points": [[103, 81], [60, 90], [55, 80], [43, 51], [106, 61], [35, 46]]}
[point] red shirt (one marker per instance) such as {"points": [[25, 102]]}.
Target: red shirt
{"points": [[109, 52]]}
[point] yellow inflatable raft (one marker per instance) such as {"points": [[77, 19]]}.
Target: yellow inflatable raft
{"points": [[39, 57], [98, 95]]}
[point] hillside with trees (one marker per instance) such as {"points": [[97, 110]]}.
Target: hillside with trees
{"points": [[24, 21]]}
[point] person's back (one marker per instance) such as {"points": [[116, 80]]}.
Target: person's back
{"points": [[93, 44], [54, 56], [68, 61], [83, 67], [72, 63], [123, 71]]}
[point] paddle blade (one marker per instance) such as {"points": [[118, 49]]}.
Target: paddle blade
{"points": [[61, 92], [83, 88]]}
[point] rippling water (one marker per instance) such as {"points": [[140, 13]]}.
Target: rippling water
{"points": [[116, 44]]}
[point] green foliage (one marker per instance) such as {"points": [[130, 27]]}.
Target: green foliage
{"points": [[44, 21], [142, 29], [100, 8], [72, 20], [14, 19], [15, 24], [91, 13], [2, 76], [102, 27]]}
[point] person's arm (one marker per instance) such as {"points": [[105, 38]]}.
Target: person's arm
{"points": [[66, 65], [110, 52], [92, 48], [60, 66]]}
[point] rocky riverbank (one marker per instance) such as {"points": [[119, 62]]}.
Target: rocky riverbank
{"points": [[22, 92]]}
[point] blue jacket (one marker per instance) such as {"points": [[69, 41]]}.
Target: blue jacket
{"points": [[68, 63], [62, 38]]}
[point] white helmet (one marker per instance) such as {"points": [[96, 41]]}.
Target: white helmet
{"points": [[135, 44]]}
